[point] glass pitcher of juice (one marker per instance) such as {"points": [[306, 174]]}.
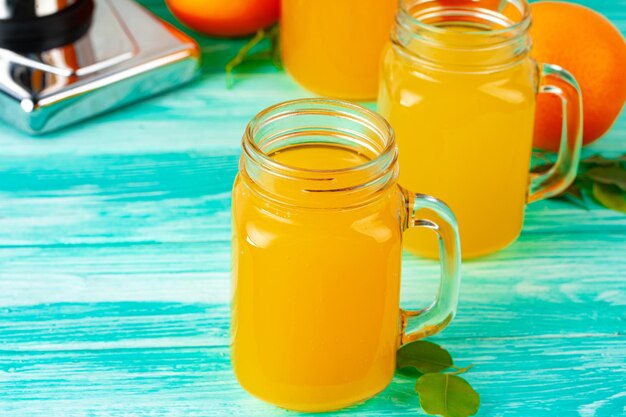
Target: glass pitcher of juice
{"points": [[459, 89], [333, 47], [318, 218]]}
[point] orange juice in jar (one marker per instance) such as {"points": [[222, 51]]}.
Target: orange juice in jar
{"points": [[459, 88], [318, 219], [333, 47]]}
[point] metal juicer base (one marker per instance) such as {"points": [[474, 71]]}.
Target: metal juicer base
{"points": [[127, 54]]}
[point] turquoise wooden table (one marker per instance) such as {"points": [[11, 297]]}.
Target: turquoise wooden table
{"points": [[114, 272]]}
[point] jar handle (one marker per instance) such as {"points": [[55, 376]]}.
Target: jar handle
{"points": [[559, 82], [416, 324]]}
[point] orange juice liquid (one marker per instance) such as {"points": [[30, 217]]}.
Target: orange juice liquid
{"points": [[333, 47], [315, 293], [465, 138]]}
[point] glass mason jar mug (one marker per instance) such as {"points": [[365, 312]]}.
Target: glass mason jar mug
{"points": [[333, 47], [459, 88], [318, 218]]}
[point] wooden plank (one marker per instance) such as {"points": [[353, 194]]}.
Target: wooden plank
{"points": [[580, 375], [179, 197], [165, 288]]}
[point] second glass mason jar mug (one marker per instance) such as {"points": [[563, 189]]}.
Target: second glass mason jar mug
{"points": [[318, 219], [459, 88], [333, 47]]}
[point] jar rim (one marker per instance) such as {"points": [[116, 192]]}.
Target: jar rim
{"points": [[253, 150], [319, 122], [519, 26]]}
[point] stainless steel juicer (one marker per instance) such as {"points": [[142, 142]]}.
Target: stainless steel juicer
{"points": [[62, 61]]}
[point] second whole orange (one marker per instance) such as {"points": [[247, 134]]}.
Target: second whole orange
{"points": [[585, 43]]}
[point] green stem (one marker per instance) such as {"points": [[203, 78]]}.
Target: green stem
{"points": [[241, 55], [273, 53], [460, 371]]}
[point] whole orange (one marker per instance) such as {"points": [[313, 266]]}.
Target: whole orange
{"points": [[228, 18], [586, 44]]}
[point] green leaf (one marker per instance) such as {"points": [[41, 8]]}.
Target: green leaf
{"points": [[274, 36], [600, 160], [609, 196], [241, 56], [244, 54], [447, 395], [574, 195], [409, 372], [425, 356], [574, 191], [543, 157], [542, 168], [608, 175]]}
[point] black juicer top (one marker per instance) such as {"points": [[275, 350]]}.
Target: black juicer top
{"points": [[39, 25]]}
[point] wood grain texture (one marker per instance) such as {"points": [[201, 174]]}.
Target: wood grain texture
{"points": [[114, 272]]}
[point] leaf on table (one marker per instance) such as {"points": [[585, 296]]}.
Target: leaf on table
{"points": [[543, 157], [424, 356], [574, 195], [241, 56], [609, 196], [447, 395], [274, 37], [542, 168], [409, 372], [574, 191], [244, 54], [608, 175], [601, 160]]}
